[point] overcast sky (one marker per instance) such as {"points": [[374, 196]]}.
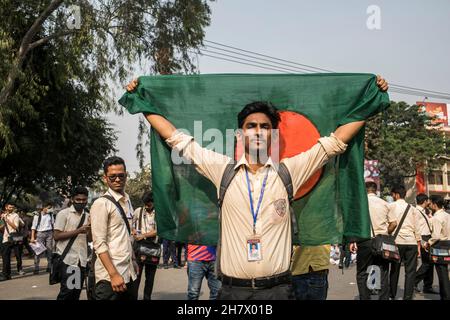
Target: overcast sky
{"points": [[412, 48]]}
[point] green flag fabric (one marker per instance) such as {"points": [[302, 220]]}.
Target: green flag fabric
{"points": [[186, 202]]}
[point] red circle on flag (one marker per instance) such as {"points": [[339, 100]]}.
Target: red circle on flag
{"points": [[298, 134]]}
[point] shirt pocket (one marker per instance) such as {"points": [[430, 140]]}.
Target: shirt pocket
{"points": [[279, 211]]}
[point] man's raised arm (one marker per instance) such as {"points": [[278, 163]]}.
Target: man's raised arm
{"points": [[163, 126]]}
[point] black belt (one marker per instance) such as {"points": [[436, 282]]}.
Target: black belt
{"points": [[258, 283]]}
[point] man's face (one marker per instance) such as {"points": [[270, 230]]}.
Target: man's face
{"points": [[10, 208], [396, 196], [80, 199], [433, 207], [116, 177], [149, 206], [256, 131]]}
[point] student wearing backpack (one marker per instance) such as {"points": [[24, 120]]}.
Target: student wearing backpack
{"points": [[72, 230], [255, 208], [42, 231]]}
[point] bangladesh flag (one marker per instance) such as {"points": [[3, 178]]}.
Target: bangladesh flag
{"points": [[332, 204]]}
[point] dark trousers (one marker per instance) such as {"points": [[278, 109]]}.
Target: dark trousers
{"points": [[311, 286], [444, 283], [425, 272], [280, 292], [408, 256], [179, 247], [364, 259], [6, 257], [26, 244], [345, 256], [169, 251], [104, 291], [150, 270], [71, 282]]}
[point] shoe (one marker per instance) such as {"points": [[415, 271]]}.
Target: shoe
{"points": [[166, 266], [430, 291], [175, 266], [341, 266], [416, 289], [21, 272]]}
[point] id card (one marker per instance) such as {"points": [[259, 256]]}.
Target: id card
{"points": [[254, 250]]}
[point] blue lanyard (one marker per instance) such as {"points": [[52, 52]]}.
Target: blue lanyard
{"points": [[255, 214]]}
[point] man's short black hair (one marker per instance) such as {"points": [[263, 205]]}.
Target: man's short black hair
{"points": [[438, 200], [111, 161], [400, 189], [371, 186], [259, 106], [79, 190], [147, 197], [421, 198], [48, 204]]}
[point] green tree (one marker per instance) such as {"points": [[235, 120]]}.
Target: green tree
{"points": [[57, 81], [138, 185], [404, 138], [62, 144], [113, 36]]}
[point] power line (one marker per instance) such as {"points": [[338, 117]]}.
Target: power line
{"points": [[263, 55], [279, 67], [246, 55], [252, 61], [248, 64]]}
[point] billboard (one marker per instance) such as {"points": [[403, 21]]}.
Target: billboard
{"points": [[439, 110], [372, 172]]}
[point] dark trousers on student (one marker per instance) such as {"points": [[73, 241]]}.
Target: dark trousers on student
{"points": [[104, 291], [408, 256], [311, 286], [71, 282], [425, 272], [280, 292], [364, 259], [444, 283], [149, 270], [169, 251], [8, 248]]}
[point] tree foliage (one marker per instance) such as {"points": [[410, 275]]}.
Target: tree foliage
{"points": [[56, 81], [404, 138], [138, 185], [113, 36]]}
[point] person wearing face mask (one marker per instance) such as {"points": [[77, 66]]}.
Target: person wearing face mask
{"points": [[73, 223], [144, 230]]}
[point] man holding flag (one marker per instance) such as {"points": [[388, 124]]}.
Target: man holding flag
{"points": [[255, 207]]}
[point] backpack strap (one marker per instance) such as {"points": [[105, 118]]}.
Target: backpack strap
{"points": [[39, 221], [426, 219], [227, 177], [122, 212], [401, 221], [285, 176], [140, 220]]}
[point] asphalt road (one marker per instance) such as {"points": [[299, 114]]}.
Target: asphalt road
{"points": [[171, 284]]}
